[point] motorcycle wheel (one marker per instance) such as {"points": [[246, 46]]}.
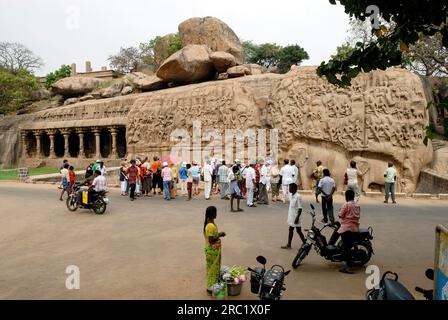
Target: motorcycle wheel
{"points": [[71, 203], [303, 252], [99, 207], [362, 255]]}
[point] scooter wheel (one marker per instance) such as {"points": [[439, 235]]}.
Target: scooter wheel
{"points": [[303, 252]]}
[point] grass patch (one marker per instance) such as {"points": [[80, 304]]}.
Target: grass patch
{"points": [[7, 174]]}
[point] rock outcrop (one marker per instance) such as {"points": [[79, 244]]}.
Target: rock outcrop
{"points": [[144, 82], [75, 86], [190, 64], [222, 61], [238, 71], [213, 33]]}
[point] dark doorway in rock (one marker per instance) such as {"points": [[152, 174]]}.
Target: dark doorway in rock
{"points": [[73, 144], [45, 144], [105, 143], [59, 145], [89, 144], [30, 141], [121, 142]]}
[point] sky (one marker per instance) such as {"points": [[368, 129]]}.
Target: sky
{"points": [[73, 31]]}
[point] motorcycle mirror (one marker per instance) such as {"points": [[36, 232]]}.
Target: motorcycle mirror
{"points": [[261, 260], [429, 273], [312, 207], [287, 272]]}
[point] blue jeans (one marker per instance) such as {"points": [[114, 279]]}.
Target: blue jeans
{"points": [[166, 189]]}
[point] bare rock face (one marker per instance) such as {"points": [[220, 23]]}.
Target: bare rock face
{"points": [[127, 90], [75, 86], [144, 82], [254, 68], [213, 33], [190, 64], [238, 71], [113, 90], [70, 101], [222, 60]]}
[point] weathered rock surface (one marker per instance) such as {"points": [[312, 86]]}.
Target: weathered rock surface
{"points": [[238, 71], [75, 86], [40, 94], [144, 82], [222, 61], [86, 97], [113, 90], [70, 101], [254, 68], [190, 64], [127, 90], [213, 33]]}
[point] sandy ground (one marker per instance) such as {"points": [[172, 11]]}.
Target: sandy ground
{"points": [[153, 249]]}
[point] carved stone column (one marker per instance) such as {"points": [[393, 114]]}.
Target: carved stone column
{"points": [[96, 131], [66, 134], [51, 133], [80, 132], [113, 132], [38, 135], [23, 141]]}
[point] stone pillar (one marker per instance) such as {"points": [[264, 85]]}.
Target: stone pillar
{"points": [[96, 131], [51, 134], [113, 132], [73, 71], [88, 66], [66, 134], [38, 135], [80, 132], [23, 141]]}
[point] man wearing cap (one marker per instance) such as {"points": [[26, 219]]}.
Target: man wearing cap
{"points": [[183, 176], [264, 179], [207, 172], [166, 178], [249, 176]]}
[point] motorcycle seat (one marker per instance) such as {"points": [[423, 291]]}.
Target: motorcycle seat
{"points": [[396, 291]]}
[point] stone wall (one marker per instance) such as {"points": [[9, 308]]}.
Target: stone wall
{"points": [[432, 183]]}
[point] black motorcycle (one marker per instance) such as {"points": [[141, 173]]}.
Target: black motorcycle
{"points": [[361, 251], [268, 285], [81, 198], [392, 289]]}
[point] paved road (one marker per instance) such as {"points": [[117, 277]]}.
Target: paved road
{"points": [[153, 249]]}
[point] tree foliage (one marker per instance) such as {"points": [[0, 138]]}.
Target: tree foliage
{"points": [[151, 53], [405, 22], [63, 72], [15, 56], [272, 55], [16, 88]]}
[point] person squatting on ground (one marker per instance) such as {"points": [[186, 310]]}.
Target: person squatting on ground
{"points": [[327, 186], [349, 215], [294, 215], [212, 247]]}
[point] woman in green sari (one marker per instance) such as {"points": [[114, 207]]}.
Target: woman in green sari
{"points": [[212, 247]]}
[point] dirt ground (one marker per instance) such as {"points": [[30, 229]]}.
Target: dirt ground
{"points": [[153, 249]]}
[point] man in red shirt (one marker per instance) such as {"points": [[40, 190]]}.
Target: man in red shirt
{"points": [[132, 174], [349, 214]]}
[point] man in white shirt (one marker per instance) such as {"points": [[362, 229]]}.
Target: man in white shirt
{"points": [[327, 186], [295, 175], [390, 177], [286, 173], [99, 184], [207, 172], [263, 192], [249, 175]]}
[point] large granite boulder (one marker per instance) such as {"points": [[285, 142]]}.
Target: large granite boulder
{"points": [[190, 64], [75, 86], [213, 33], [113, 90], [145, 82], [222, 61], [238, 71]]}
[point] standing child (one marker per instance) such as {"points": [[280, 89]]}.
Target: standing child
{"points": [[294, 214], [65, 180], [71, 175]]}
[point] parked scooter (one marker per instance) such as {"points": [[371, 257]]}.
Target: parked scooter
{"points": [[81, 198], [268, 285], [392, 289], [361, 251]]}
